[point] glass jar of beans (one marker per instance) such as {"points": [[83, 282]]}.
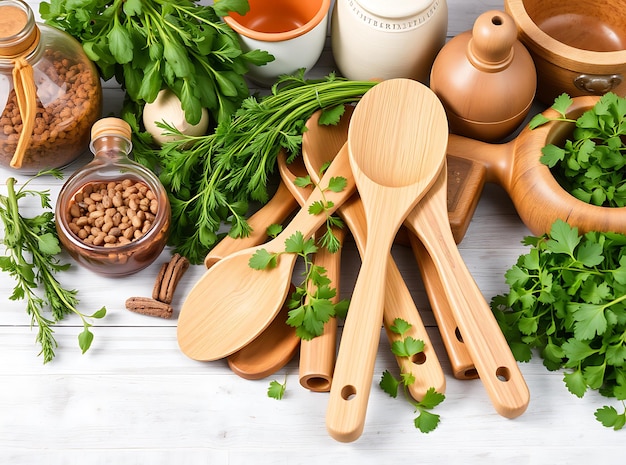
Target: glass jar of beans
{"points": [[50, 93], [113, 215]]}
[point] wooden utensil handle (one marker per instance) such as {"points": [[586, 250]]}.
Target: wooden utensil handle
{"points": [[496, 366], [275, 211], [460, 359], [317, 356]]}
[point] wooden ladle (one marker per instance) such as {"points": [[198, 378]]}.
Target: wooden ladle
{"points": [[319, 146], [232, 303], [537, 196], [397, 140]]}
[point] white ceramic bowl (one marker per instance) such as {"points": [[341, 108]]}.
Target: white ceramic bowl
{"points": [[293, 31]]}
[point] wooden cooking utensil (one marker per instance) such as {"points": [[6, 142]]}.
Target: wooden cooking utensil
{"points": [[488, 348], [536, 194], [275, 211], [397, 139], [232, 303], [317, 356], [269, 352], [319, 146]]}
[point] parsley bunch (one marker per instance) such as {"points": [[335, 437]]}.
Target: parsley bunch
{"points": [[31, 259], [148, 45], [567, 299], [590, 166], [211, 179]]}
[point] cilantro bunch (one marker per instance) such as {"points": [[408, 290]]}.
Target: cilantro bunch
{"points": [[148, 45], [590, 165], [567, 300]]}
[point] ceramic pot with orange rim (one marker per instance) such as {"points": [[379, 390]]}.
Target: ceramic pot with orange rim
{"points": [[372, 39], [293, 31]]}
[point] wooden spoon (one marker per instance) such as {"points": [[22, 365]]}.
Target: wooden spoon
{"points": [[317, 356], [488, 348], [397, 140], [233, 303], [318, 144], [269, 352]]}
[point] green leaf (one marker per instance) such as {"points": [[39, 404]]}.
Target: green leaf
{"points": [[303, 181], [431, 399], [223, 7], [389, 384], [84, 339], [564, 238], [400, 326], [426, 421], [132, 7], [407, 347], [99, 314], [262, 259], [337, 184], [562, 103], [273, 230], [538, 120], [332, 115], [590, 320], [575, 383], [276, 390], [120, 43], [609, 417], [49, 244]]}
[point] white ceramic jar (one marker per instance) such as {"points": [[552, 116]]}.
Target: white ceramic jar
{"points": [[384, 39]]}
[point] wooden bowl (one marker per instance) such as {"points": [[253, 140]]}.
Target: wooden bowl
{"points": [[537, 196], [579, 46]]}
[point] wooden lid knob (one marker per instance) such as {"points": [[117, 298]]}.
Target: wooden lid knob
{"points": [[111, 127], [493, 37]]}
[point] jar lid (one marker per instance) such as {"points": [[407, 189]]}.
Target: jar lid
{"points": [[18, 32], [111, 127], [395, 8]]}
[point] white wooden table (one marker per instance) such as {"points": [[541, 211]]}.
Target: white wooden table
{"points": [[134, 398]]}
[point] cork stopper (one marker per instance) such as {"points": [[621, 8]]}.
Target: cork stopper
{"points": [[19, 34], [111, 127]]}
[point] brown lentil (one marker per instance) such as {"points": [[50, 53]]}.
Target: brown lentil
{"points": [[94, 223], [62, 125]]}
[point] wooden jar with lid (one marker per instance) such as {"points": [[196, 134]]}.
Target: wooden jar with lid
{"points": [[485, 78]]}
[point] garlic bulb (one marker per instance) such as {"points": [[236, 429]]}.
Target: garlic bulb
{"points": [[167, 108]]}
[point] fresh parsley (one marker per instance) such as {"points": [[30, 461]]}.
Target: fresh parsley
{"points": [[567, 300], [32, 248], [277, 390], [590, 165], [212, 178], [311, 304], [426, 421]]}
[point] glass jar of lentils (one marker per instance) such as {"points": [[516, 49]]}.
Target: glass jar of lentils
{"points": [[113, 215], [50, 93]]}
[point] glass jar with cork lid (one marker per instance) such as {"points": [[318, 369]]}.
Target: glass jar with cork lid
{"points": [[50, 93], [113, 215]]}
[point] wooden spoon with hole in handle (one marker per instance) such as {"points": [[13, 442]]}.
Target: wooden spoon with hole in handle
{"points": [[488, 348], [318, 144], [317, 356], [397, 143], [232, 303]]}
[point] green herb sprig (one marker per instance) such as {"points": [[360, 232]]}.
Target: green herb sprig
{"points": [[211, 179], [590, 165], [426, 421], [32, 247], [277, 390], [567, 300], [148, 45]]}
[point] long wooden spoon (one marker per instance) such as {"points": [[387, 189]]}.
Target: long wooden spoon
{"points": [[233, 303], [488, 348], [397, 140], [319, 146]]}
